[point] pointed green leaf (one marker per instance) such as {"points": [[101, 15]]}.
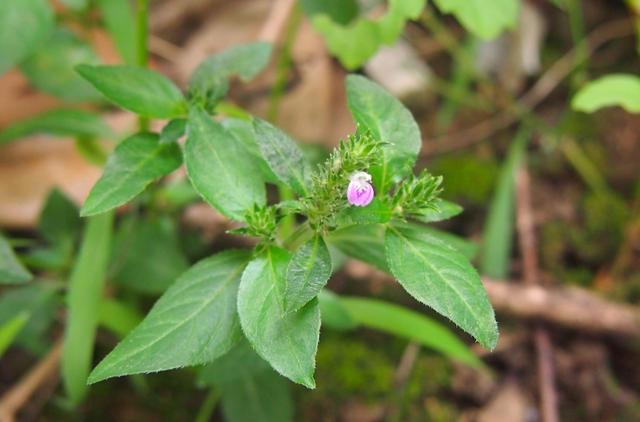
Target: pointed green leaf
{"points": [[136, 162], [497, 238], [403, 322], [10, 329], [283, 155], [377, 111], [250, 390], [610, 90], [307, 273], [51, 67], [11, 270], [362, 241], [244, 60], [59, 218], [147, 257], [142, 91], [84, 294], [24, 26], [334, 314], [485, 19], [442, 278], [218, 169], [444, 210], [194, 322], [62, 123], [118, 18], [243, 134], [289, 342]]}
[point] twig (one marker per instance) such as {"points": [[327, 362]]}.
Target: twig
{"points": [[544, 347], [532, 98], [405, 367], [18, 395]]}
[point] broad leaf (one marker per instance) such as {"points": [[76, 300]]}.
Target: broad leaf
{"points": [[61, 122], [11, 270], [443, 211], [364, 242], [244, 60], [497, 238], [484, 19], [243, 134], [403, 322], [118, 18], [335, 314], [611, 90], [24, 26], [282, 154], [10, 329], [340, 11], [173, 130], [307, 273], [84, 293], [194, 322], [136, 162], [59, 219], [147, 257], [39, 301], [219, 170], [355, 41], [376, 212], [250, 390], [377, 111], [51, 68], [142, 91], [289, 342], [441, 277]]}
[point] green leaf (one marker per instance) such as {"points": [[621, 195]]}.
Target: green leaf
{"points": [[83, 301], [250, 390], [484, 19], [377, 111], [289, 342], [441, 277], [243, 134], [11, 270], [173, 131], [405, 323], [194, 322], [39, 300], [147, 257], [59, 219], [340, 11], [142, 91], [136, 162], [60, 122], [282, 154], [364, 242], [51, 68], [497, 238], [117, 317], [444, 211], [334, 313], [611, 90], [244, 60], [462, 245], [118, 18], [307, 273], [24, 26], [218, 170], [10, 329], [376, 212], [357, 41]]}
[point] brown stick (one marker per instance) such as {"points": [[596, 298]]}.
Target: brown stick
{"points": [[277, 19], [529, 251], [532, 98], [14, 399]]}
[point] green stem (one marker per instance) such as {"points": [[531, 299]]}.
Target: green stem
{"points": [[576, 26], [208, 406], [142, 52]]}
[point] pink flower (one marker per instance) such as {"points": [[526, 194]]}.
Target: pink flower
{"points": [[360, 192]]}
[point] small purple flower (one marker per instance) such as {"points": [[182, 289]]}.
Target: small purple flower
{"points": [[360, 191]]}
